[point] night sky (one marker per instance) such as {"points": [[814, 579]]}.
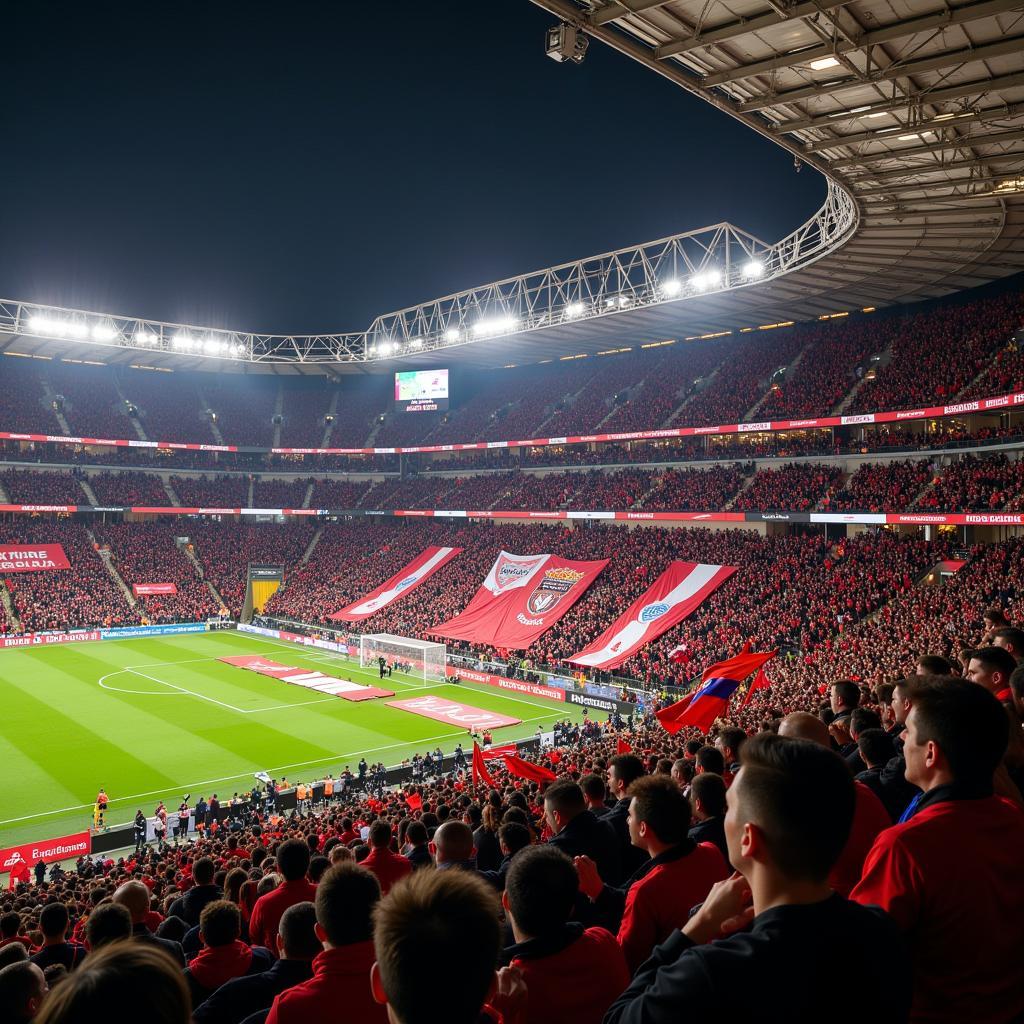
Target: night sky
{"points": [[307, 166]]}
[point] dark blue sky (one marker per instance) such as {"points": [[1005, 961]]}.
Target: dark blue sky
{"points": [[305, 166]]}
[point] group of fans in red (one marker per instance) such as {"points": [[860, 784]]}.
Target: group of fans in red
{"points": [[842, 856]]}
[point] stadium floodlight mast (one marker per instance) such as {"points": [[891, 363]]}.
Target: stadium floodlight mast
{"points": [[672, 269]]}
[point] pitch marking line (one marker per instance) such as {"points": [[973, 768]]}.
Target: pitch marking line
{"points": [[188, 787]]}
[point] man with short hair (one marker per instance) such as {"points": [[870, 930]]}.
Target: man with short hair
{"points": [[707, 803], [297, 945], [109, 922], [427, 926], [579, 832], [10, 929], [952, 870], [419, 842], [991, 667], [339, 988], [224, 955], [594, 793], [512, 837], [53, 923], [135, 898], [1011, 640], [860, 720], [710, 759], [623, 771], [869, 816], [22, 991], [677, 875], [571, 973], [789, 815], [730, 742], [190, 905], [292, 862], [876, 751], [389, 867], [933, 665]]}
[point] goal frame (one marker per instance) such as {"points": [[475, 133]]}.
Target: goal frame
{"points": [[427, 659]]}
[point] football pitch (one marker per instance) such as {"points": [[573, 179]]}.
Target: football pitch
{"points": [[153, 719]]}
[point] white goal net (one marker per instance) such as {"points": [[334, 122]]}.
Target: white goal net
{"points": [[422, 660]]}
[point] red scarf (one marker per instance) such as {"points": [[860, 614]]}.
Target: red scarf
{"points": [[216, 965]]}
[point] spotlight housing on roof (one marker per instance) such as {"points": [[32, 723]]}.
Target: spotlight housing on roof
{"points": [[672, 287], [492, 327], [706, 280], [452, 334], [574, 310], [752, 270]]}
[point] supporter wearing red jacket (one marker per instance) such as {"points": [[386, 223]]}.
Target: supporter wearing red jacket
{"points": [[292, 862], [571, 974], [387, 866], [950, 875], [340, 986], [224, 956], [869, 816], [677, 875]]}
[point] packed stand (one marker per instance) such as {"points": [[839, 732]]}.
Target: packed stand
{"points": [[25, 487], [798, 487], [212, 492], [25, 406], [84, 595], [92, 405], [697, 490], [128, 489], [147, 553], [304, 412], [269, 493], [881, 487], [987, 483], [243, 407], [169, 405], [331, 493]]}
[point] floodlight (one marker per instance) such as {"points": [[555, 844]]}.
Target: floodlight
{"points": [[212, 347], [706, 280], [74, 329], [672, 287], [497, 325], [452, 334], [753, 270], [823, 64], [575, 309], [103, 332], [39, 325], [145, 338], [183, 341], [416, 343]]}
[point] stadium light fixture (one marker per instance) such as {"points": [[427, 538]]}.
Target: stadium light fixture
{"points": [[145, 338], [75, 329], [103, 332], [753, 270], [707, 280], [385, 348], [823, 64], [236, 350], [41, 325], [212, 347], [183, 341], [574, 310], [672, 287], [495, 326], [452, 334], [416, 343]]}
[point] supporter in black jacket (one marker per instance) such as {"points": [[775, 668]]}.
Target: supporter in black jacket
{"points": [[189, 906], [135, 897], [707, 800], [624, 770], [578, 832], [783, 856], [297, 944]]}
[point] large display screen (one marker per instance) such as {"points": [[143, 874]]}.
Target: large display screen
{"points": [[421, 391]]}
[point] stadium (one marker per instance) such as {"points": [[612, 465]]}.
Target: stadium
{"points": [[504, 581]]}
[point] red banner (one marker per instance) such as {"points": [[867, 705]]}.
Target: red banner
{"points": [[521, 597], [306, 678], [676, 593], [141, 589], [405, 581], [47, 850], [453, 713], [33, 558]]}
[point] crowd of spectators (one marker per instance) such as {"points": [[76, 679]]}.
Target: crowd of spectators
{"points": [[988, 483], [938, 353], [24, 487], [280, 493], [128, 489], [149, 553], [25, 406], [169, 405], [91, 403], [243, 407], [881, 487], [83, 595], [222, 491], [798, 487]]}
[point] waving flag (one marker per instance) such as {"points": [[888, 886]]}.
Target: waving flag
{"points": [[719, 682], [680, 654], [480, 772], [520, 598], [528, 770], [405, 581], [761, 682], [676, 593]]}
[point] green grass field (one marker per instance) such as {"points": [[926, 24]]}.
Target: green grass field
{"points": [[152, 719]]}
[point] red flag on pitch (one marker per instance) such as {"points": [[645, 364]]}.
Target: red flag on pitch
{"points": [[761, 682], [480, 772], [622, 747], [719, 682], [527, 770]]}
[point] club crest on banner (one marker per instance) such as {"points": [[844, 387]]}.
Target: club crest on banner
{"points": [[554, 585], [653, 611], [509, 571]]}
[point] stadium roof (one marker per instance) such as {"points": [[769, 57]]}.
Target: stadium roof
{"points": [[912, 109]]}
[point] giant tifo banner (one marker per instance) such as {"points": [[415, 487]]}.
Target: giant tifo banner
{"points": [[676, 593], [33, 558], [304, 677], [452, 712], [405, 581], [521, 597], [142, 589], [46, 850]]}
